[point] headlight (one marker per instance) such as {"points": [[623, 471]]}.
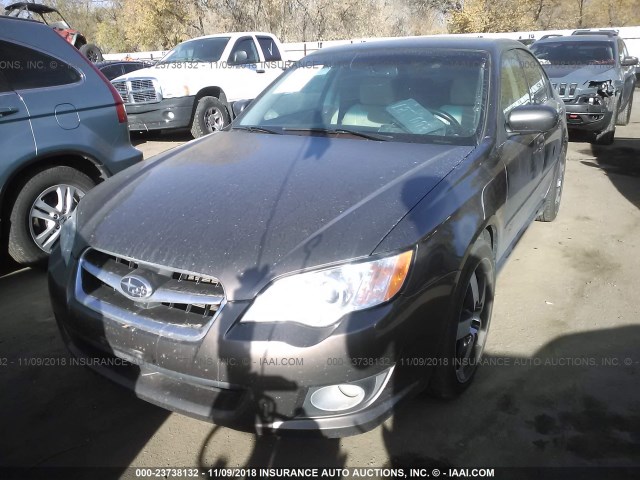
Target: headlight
{"points": [[67, 236], [321, 298]]}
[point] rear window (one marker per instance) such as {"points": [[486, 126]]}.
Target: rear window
{"points": [[574, 53], [270, 49], [25, 68]]}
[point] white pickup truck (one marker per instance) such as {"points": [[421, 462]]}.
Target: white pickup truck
{"points": [[195, 84]]}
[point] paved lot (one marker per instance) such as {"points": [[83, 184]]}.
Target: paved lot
{"points": [[561, 386]]}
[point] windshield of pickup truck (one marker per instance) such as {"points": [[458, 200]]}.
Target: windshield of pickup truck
{"points": [[435, 95], [200, 50], [574, 53]]}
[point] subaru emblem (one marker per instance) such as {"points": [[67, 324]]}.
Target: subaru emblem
{"points": [[135, 286]]}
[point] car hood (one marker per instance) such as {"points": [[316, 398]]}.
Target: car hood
{"points": [[167, 73], [248, 207], [578, 74]]}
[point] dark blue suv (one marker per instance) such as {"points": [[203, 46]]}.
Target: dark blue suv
{"points": [[63, 129]]}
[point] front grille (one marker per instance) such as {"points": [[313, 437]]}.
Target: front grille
{"points": [[565, 90], [121, 88], [138, 90], [168, 297]]}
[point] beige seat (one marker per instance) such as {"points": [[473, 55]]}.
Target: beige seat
{"points": [[462, 100], [375, 95]]}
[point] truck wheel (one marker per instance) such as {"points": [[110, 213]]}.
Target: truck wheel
{"points": [[554, 195], [625, 115], [45, 202], [210, 116], [92, 52]]}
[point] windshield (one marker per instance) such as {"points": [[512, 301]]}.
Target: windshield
{"points": [[421, 95], [200, 50], [574, 53]]}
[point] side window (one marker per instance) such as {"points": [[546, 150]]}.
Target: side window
{"points": [[244, 52], [112, 71], [4, 85], [269, 49], [622, 49], [536, 79], [132, 67], [514, 90], [26, 68]]}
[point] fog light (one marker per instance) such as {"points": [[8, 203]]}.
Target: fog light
{"points": [[171, 115], [337, 397]]}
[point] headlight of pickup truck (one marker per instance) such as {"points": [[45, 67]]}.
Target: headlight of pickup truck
{"points": [[321, 298], [172, 91]]}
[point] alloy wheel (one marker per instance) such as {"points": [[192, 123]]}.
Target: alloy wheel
{"points": [[473, 324], [213, 119], [49, 212]]}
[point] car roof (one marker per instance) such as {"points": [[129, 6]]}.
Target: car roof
{"points": [[33, 7], [105, 63], [492, 45], [578, 38], [231, 35]]}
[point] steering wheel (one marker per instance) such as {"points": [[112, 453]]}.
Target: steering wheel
{"points": [[450, 122]]}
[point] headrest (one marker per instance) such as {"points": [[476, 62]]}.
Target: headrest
{"points": [[376, 91], [240, 56], [463, 91]]}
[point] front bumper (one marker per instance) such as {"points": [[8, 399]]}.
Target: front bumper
{"points": [[591, 117], [250, 376], [167, 114]]}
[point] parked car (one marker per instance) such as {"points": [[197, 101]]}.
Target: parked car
{"points": [[63, 128], [194, 85], [595, 76], [52, 17], [116, 68], [343, 248]]}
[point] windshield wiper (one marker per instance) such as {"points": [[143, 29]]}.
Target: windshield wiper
{"points": [[256, 129], [337, 131]]}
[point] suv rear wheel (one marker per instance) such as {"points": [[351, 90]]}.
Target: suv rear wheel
{"points": [[45, 202]]}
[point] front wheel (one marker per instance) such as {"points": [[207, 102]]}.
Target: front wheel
{"points": [[468, 326], [607, 136], [210, 116], [45, 202], [625, 115], [92, 52]]}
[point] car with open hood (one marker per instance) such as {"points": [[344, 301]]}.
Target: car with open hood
{"points": [[595, 76], [332, 252]]}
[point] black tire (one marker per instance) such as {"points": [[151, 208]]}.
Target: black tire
{"points": [[607, 136], [22, 227], [554, 195], [210, 116], [625, 115], [454, 374], [92, 52]]}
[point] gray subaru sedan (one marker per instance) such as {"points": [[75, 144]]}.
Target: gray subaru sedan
{"points": [[331, 253]]}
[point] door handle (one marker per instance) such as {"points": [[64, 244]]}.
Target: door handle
{"points": [[260, 70], [5, 111]]}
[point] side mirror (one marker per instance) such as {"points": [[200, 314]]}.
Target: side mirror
{"points": [[532, 119], [629, 61], [239, 106]]}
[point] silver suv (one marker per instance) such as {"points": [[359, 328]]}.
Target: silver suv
{"points": [[63, 129]]}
